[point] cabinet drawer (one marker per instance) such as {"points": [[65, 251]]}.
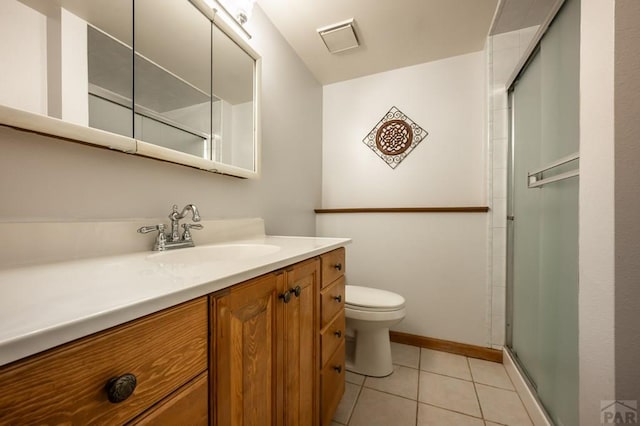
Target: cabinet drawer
{"points": [[332, 301], [333, 266], [331, 337], [67, 384], [333, 376], [188, 406]]}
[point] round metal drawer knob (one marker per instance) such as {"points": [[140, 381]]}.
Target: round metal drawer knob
{"points": [[297, 291], [121, 388], [338, 266], [338, 369]]}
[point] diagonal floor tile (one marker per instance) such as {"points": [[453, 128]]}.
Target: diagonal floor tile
{"points": [[490, 373], [355, 378], [448, 392], [429, 415], [444, 363], [502, 406], [348, 401], [402, 382], [381, 409]]}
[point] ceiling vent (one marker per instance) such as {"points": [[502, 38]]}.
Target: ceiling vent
{"points": [[339, 37]]}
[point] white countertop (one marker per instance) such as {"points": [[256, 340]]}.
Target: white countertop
{"points": [[43, 306]]}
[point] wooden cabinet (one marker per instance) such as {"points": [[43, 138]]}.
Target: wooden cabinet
{"points": [[332, 332], [265, 351], [66, 385], [301, 345], [245, 353], [189, 405], [269, 351]]}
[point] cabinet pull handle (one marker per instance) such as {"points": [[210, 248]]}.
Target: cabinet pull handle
{"points": [[296, 290], [286, 296], [338, 266], [121, 388], [338, 368], [338, 298], [338, 334]]}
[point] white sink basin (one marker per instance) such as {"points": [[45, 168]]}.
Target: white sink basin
{"points": [[213, 253]]}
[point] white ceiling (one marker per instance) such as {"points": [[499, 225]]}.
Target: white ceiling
{"points": [[516, 14], [392, 33]]}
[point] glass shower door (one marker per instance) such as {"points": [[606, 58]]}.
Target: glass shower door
{"points": [[543, 202]]}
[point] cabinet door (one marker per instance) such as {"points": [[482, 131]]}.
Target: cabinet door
{"points": [[300, 329], [188, 406], [245, 353]]}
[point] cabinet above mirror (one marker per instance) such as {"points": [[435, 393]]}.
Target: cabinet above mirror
{"points": [[167, 80]]}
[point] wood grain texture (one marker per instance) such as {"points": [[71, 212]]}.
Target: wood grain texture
{"points": [[330, 262], [189, 405], [332, 320], [447, 346], [300, 345], [332, 385], [470, 209], [332, 301], [332, 336], [66, 385], [246, 370]]}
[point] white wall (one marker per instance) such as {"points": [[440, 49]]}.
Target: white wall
{"points": [[446, 98], [42, 177], [436, 261], [23, 49]]}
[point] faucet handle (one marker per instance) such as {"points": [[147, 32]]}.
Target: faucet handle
{"points": [[147, 229], [186, 236], [161, 239]]}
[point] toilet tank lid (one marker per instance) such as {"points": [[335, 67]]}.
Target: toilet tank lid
{"points": [[372, 297]]}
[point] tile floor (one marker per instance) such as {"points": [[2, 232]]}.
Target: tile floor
{"points": [[428, 387]]}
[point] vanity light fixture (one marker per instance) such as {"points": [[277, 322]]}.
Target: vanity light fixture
{"points": [[239, 10], [234, 12], [339, 37]]}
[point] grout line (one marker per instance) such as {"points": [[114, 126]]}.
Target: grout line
{"points": [[475, 389], [418, 395], [353, 409], [452, 411], [392, 394], [519, 397], [446, 375]]}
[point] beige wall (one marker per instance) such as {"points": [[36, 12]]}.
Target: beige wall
{"points": [[596, 261], [45, 178]]}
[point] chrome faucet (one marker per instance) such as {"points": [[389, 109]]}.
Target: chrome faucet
{"points": [[173, 240], [175, 218]]}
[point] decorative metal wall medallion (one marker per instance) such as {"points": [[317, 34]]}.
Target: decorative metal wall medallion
{"points": [[394, 137]]}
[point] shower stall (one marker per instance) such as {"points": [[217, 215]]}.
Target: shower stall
{"points": [[542, 230]]}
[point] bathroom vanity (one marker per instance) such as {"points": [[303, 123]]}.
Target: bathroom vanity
{"points": [[258, 340]]}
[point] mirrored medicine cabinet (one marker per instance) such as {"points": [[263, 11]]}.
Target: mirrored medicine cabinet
{"points": [[163, 79]]}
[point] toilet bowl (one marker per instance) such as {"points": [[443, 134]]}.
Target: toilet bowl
{"points": [[369, 313]]}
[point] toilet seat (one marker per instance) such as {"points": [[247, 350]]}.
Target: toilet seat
{"points": [[372, 299]]}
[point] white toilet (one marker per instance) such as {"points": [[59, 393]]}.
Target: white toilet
{"points": [[369, 313]]}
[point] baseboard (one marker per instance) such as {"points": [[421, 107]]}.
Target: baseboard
{"points": [[531, 404], [465, 349]]}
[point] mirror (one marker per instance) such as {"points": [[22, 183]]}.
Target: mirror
{"points": [[234, 104], [183, 89], [173, 76]]}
